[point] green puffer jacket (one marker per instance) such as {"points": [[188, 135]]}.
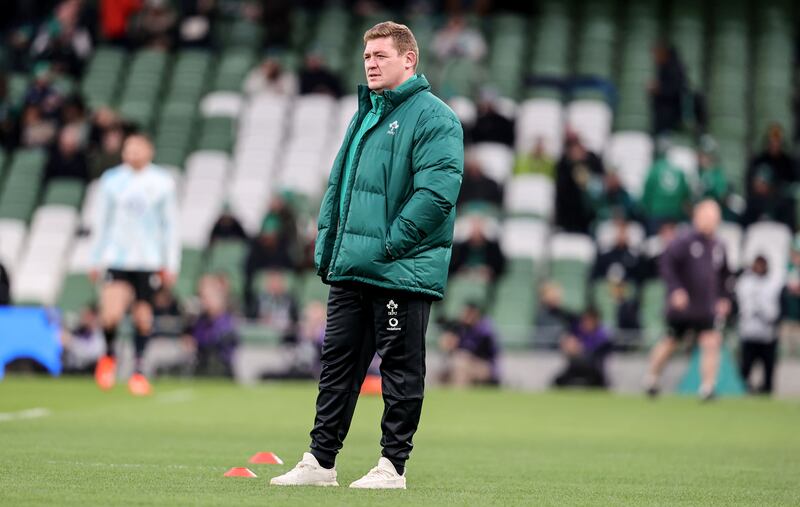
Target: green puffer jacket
{"points": [[397, 228]]}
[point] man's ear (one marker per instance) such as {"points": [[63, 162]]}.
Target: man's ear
{"points": [[411, 60]]}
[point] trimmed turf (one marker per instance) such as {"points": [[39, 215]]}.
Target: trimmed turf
{"points": [[473, 448]]}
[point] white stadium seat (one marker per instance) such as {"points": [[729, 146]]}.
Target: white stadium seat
{"points": [[465, 109], [772, 240], [227, 104], [495, 159], [532, 194], [524, 237], [12, 238], [571, 246], [730, 234], [631, 155], [591, 120], [540, 118]]}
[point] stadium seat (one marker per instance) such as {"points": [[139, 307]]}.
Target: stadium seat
{"points": [[465, 109], [606, 235], [530, 194], [571, 258], [221, 104], [730, 234], [630, 154], [524, 237], [540, 118], [591, 120], [772, 240], [12, 237], [495, 159], [65, 191]]}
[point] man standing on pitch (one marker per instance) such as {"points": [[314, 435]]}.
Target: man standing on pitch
{"points": [[383, 244], [695, 270]]}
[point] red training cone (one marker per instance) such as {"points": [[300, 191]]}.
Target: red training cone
{"points": [[265, 458], [371, 385], [240, 472]]}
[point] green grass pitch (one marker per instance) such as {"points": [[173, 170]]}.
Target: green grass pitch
{"points": [[473, 448]]}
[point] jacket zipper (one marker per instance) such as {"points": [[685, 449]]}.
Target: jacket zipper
{"points": [[387, 108]]}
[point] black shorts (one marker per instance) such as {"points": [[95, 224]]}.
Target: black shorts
{"points": [[144, 283], [679, 329]]}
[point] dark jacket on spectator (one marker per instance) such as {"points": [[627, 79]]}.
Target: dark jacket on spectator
{"points": [[5, 287], [480, 188], [573, 210], [468, 254], [493, 127]]}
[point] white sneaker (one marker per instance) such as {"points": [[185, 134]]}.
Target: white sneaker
{"points": [[307, 473], [383, 476]]}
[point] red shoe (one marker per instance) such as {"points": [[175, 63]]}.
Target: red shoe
{"points": [[371, 385], [138, 385], [105, 373]]}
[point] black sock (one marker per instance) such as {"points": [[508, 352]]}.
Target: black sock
{"points": [[400, 466], [324, 461], [139, 343], [111, 337]]}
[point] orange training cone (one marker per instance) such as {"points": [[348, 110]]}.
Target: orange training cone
{"points": [[265, 458], [240, 472], [371, 385]]}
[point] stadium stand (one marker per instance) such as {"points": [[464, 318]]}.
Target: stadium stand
{"points": [[583, 66]]}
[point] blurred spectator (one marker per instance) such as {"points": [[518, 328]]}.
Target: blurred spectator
{"points": [[154, 25], [478, 256], [576, 172], [36, 131], [108, 154], [42, 95], [73, 114], [62, 42], [667, 91], [457, 40], [114, 17], [67, 160], [9, 128], [613, 201], [653, 248], [758, 295], [227, 226], [213, 336], [167, 313], [585, 347], [769, 177], [316, 78], [302, 358], [550, 318], [790, 303], [477, 187], [491, 126], [713, 183], [627, 316], [5, 286], [103, 121], [84, 344], [269, 250], [195, 27], [621, 262], [472, 349], [270, 77], [537, 161], [666, 196], [276, 308]]}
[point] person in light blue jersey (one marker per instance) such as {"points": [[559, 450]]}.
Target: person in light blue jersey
{"points": [[136, 245]]}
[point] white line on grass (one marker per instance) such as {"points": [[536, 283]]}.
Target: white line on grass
{"points": [[31, 413], [177, 396], [130, 465]]}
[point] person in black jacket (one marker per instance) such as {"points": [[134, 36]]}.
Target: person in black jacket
{"points": [[667, 90], [769, 176], [478, 255], [477, 187], [491, 126], [575, 172]]}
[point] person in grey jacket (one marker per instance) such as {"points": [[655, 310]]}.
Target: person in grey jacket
{"points": [[759, 295], [695, 270]]}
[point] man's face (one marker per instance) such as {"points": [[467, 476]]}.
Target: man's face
{"points": [[137, 152], [385, 67]]}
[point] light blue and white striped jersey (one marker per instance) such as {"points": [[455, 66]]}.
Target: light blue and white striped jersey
{"points": [[135, 226]]}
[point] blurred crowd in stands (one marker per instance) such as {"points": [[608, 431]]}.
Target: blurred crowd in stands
{"points": [[53, 40]]}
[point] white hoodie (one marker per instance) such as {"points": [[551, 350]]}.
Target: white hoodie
{"points": [[759, 300]]}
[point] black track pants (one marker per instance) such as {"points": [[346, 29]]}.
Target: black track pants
{"points": [[363, 320]]}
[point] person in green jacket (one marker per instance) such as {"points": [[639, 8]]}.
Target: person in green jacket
{"points": [[383, 244], [666, 195]]}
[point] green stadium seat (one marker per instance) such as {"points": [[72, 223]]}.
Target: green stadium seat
{"points": [[191, 267], [66, 191], [461, 290], [77, 292], [227, 258], [572, 276]]}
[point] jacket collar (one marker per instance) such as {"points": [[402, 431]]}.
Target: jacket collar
{"points": [[394, 97]]}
